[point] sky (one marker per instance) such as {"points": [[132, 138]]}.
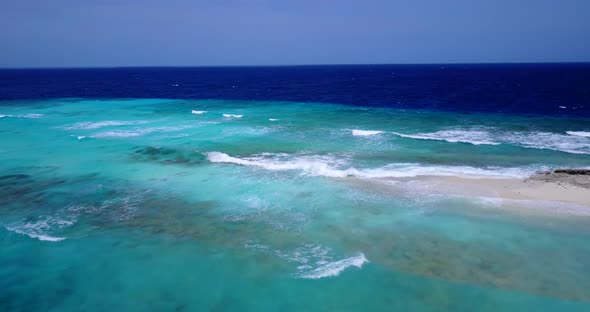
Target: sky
{"points": [[96, 33]]}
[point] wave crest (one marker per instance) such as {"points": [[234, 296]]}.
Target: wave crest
{"points": [[585, 134], [138, 132], [232, 116], [332, 269], [356, 132], [474, 137], [575, 142], [90, 125], [333, 167], [41, 228], [27, 116], [548, 140], [313, 261]]}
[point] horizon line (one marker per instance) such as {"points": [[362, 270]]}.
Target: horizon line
{"points": [[291, 65]]}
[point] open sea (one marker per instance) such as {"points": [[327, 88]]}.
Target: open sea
{"points": [[289, 188]]}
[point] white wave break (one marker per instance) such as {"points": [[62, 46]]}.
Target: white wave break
{"points": [[333, 167], [356, 132], [232, 116]]}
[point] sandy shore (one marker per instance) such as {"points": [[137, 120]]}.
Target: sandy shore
{"points": [[543, 193], [533, 188]]}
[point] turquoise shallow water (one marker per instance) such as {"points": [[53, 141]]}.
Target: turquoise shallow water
{"points": [[170, 205]]}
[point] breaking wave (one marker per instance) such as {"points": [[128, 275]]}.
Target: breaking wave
{"points": [[332, 269], [333, 167], [474, 137], [232, 116], [33, 116], [138, 132], [28, 116], [90, 125], [548, 140], [41, 228], [579, 133], [313, 261], [356, 132], [575, 142]]}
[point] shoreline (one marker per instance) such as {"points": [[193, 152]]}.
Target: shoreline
{"points": [[560, 193], [532, 188]]}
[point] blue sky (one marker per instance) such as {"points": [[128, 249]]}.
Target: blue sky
{"points": [[67, 33]]}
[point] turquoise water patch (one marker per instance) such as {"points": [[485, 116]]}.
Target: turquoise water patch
{"points": [[230, 205]]}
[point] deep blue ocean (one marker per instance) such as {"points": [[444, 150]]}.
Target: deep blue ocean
{"points": [[544, 89], [303, 188]]}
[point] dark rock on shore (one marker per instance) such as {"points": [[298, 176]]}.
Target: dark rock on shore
{"points": [[576, 177], [573, 171]]}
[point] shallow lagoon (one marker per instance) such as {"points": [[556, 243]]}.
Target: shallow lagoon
{"points": [[143, 205]]}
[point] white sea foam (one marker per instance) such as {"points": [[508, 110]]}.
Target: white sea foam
{"points": [[41, 228], [176, 136], [138, 132], [313, 261], [28, 116], [309, 164], [197, 112], [243, 131], [357, 132], [254, 245], [331, 269], [90, 125], [579, 133], [232, 116], [33, 116], [79, 137], [333, 167], [574, 142], [548, 140], [475, 137], [119, 134], [273, 119]]}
